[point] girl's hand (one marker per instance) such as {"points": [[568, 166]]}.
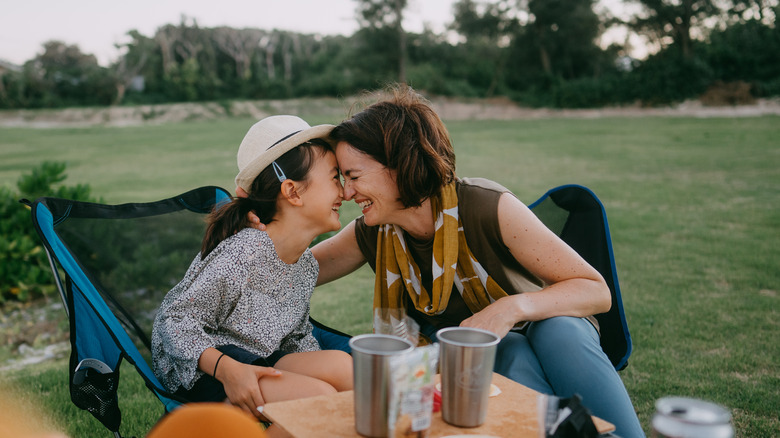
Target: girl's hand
{"points": [[241, 382]]}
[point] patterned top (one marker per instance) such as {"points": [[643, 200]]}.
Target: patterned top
{"points": [[242, 294]]}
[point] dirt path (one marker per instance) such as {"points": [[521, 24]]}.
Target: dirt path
{"points": [[448, 109]]}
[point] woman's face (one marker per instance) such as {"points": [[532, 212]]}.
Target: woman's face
{"points": [[370, 184], [324, 193]]}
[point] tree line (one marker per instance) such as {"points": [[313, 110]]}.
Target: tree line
{"points": [[537, 52]]}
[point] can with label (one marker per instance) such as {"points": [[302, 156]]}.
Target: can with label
{"points": [[680, 417]]}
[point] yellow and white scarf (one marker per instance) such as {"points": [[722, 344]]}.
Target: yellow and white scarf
{"points": [[396, 270]]}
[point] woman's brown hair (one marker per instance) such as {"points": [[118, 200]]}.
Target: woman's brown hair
{"points": [[404, 133], [230, 218]]}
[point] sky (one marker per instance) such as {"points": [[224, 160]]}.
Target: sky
{"points": [[97, 25]]}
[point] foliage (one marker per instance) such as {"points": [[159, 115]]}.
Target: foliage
{"points": [[674, 22], [669, 76], [541, 52], [24, 268], [60, 76], [745, 51], [562, 36]]}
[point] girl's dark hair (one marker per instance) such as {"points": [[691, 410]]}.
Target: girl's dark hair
{"points": [[231, 218], [404, 133]]}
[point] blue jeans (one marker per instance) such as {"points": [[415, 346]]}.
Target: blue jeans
{"points": [[562, 356], [331, 341]]}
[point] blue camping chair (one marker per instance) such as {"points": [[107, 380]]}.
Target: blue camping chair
{"points": [[119, 262], [577, 216]]}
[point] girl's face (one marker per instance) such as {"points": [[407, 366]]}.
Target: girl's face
{"points": [[370, 184], [324, 193]]}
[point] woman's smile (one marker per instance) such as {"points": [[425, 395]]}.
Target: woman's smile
{"points": [[364, 205]]}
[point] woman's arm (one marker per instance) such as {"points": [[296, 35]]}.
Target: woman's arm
{"points": [[575, 288], [338, 255]]}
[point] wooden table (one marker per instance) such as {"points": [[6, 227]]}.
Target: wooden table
{"points": [[512, 413]]}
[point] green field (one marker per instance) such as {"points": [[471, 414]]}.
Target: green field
{"points": [[693, 204]]}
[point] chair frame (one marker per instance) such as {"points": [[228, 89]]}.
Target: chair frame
{"points": [[79, 290]]}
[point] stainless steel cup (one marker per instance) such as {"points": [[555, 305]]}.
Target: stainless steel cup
{"points": [[467, 356], [371, 358]]}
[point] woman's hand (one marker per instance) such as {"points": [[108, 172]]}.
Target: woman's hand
{"points": [[251, 218], [242, 383], [254, 221], [499, 317]]}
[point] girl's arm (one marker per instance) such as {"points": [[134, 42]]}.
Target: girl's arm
{"points": [[338, 255], [239, 379], [575, 288], [179, 328]]}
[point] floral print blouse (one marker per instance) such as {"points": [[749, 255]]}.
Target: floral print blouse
{"points": [[241, 294]]}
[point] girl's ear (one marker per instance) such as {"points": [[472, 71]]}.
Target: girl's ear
{"points": [[290, 193]]}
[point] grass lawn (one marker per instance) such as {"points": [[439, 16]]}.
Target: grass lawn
{"points": [[693, 204]]}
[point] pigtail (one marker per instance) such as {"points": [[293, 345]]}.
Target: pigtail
{"points": [[226, 221]]}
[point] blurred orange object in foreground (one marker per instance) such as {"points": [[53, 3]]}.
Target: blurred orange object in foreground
{"points": [[206, 420]]}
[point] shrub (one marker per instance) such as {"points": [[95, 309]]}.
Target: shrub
{"points": [[767, 88], [728, 93], [24, 269], [592, 92], [668, 77]]}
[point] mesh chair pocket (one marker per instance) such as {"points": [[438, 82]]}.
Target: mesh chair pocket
{"points": [[94, 388]]}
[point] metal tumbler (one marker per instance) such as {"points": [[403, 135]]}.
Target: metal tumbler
{"points": [[690, 418], [371, 358], [467, 356]]}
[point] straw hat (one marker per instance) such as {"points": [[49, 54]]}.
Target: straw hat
{"points": [[268, 140]]}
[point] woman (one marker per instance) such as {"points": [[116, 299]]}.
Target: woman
{"points": [[243, 305], [467, 252]]}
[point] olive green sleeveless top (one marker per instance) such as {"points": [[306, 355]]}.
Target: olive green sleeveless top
{"points": [[478, 210]]}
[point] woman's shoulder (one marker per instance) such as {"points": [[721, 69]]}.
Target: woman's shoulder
{"points": [[480, 185], [478, 200], [479, 194]]}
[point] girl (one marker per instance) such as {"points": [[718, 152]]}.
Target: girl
{"points": [[243, 305]]}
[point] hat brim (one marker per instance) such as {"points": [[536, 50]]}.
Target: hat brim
{"points": [[248, 174]]}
